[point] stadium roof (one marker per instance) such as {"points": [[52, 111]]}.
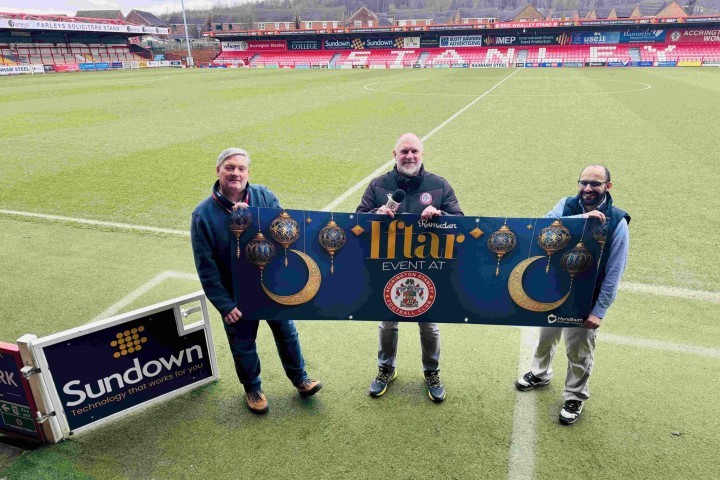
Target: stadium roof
{"points": [[192, 18], [106, 14], [274, 15], [322, 14], [479, 13], [149, 18]]}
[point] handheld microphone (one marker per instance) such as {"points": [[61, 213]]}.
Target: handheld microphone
{"points": [[394, 200]]}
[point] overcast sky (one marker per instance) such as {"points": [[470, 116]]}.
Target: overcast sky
{"points": [[69, 7]]}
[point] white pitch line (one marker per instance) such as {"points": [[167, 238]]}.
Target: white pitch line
{"points": [[659, 345], [137, 293], [85, 221], [521, 462], [364, 182], [686, 293]]}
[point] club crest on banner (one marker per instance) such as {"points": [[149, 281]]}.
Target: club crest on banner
{"points": [[409, 294]]}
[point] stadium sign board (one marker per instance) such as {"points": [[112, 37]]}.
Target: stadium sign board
{"points": [[461, 41], [595, 38], [524, 39], [336, 44], [78, 26], [138, 358], [17, 406], [642, 36], [304, 45], [696, 35]]}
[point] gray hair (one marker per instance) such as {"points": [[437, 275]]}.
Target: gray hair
{"points": [[229, 152]]}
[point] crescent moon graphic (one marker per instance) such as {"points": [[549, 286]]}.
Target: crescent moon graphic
{"points": [[308, 291], [517, 292]]}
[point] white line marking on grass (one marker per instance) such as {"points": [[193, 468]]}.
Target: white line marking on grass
{"points": [[119, 81], [685, 293], [659, 345], [363, 183], [85, 221], [521, 463], [647, 86], [140, 291]]}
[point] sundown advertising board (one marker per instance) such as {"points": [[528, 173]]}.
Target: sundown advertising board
{"points": [[695, 35], [138, 358]]}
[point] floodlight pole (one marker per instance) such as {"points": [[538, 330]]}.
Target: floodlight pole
{"points": [[190, 62]]}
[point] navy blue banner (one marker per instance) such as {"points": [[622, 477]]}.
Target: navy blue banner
{"points": [[595, 38], [642, 36], [132, 363], [320, 266], [304, 45]]}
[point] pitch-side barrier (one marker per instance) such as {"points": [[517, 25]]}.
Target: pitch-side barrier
{"points": [[71, 381]]}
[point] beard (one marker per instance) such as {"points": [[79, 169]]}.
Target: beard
{"points": [[592, 200], [410, 169]]}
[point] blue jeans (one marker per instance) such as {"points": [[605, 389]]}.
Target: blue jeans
{"points": [[242, 335]]}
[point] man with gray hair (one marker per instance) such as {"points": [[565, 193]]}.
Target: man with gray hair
{"points": [[212, 245]]}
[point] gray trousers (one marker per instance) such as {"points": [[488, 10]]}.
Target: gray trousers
{"points": [[429, 341], [580, 349]]}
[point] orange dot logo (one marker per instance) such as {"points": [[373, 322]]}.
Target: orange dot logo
{"points": [[128, 341]]}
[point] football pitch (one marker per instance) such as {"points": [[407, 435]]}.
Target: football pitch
{"points": [[90, 159]]}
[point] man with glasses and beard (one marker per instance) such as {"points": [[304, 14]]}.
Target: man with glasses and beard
{"points": [[431, 196], [594, 202]]}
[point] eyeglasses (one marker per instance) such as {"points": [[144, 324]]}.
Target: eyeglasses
{"points": [[585, 183]]}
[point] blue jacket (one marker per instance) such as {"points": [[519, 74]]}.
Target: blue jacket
{"points": [[213, 243], [615, 253]]}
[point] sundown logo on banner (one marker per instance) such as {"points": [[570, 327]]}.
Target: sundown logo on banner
{"points": [[136, 358]]}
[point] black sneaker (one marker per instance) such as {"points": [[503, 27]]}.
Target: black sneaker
{"points": [[571, 412], [379, 385], [529, 381], [434, 385]]}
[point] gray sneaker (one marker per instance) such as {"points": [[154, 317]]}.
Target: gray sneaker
{"points": [[570, 412], [529, 381], [435, 388], [378, 387]]}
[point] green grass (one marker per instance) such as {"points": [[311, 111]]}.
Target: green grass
{"points": [[139, 147]]}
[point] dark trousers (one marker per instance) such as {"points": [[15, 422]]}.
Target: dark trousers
{"points": [[242, 335]]}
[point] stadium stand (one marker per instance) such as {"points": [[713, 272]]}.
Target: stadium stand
{"points": [[75, 53], [496, 56]]}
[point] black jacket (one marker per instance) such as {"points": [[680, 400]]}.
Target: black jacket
{"points": [[422, 190]]}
